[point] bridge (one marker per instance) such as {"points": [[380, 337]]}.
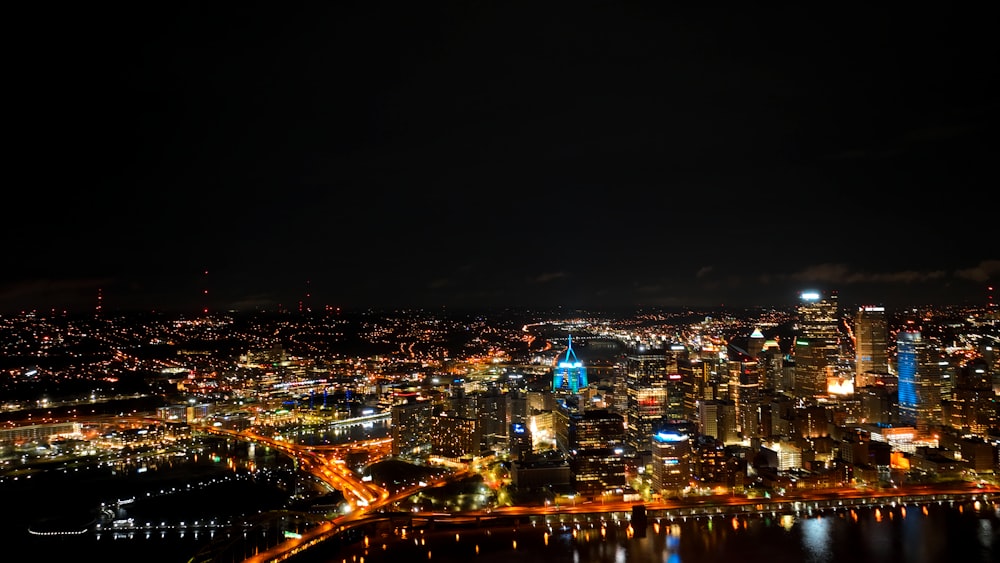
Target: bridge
{"points": [[362, 420]]}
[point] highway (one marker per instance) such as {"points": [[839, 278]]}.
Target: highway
{"points": [[322, 462]]}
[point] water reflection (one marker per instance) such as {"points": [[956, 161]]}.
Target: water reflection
{"points": [[335, 434], [917, 534], [816, 538]]}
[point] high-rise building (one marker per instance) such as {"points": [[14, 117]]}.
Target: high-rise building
{"points": [[570, 373], [412, 426], [489, 408], [696, 380], [655, 391], [708, 418], [972, 406], [593, 441], [519, 441], [871, 345], [455, 436], [817, 346], [920, 368], [671, 466], [908, 347], [772, 359], [746, 395], [516, 409]]}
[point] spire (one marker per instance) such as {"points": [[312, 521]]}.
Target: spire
{"points": [[569, 350], [569, 371]]}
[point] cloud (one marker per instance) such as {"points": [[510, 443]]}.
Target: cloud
{"points": [[550, 276], [983, 272], [843, 274], [439, 283], [703, 271]]}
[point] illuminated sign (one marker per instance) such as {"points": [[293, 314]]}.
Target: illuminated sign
{"points": [[670, 437], [809, 295]]}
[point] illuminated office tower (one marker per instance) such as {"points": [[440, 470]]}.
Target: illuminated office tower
{"points": [[919, 370], [516, 407], [817, 346], [570, 373], [489, 408], [455, 436], [908, 346], [593, 442], [655, 391], [972, 406], [519, 441], [933, 367], [708, 418], [746, 384], [756, 342], [674, 407], [696, 380], [411, 429], [671, 453], [772, 360], [871, 345]]}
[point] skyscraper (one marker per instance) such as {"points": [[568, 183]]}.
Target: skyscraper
{"points": [[908, 344], [671, 453], [871, 345], [655, 391], [570, 373], [412, 427], [745, 392], [593, 442], [817, 346]]}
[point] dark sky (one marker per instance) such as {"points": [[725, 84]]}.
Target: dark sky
{"points": [[523, 154]]}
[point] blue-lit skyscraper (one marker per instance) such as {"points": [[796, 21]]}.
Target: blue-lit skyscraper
{"points": [[570, 372], [907, 364]]}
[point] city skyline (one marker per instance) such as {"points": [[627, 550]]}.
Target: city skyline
{"points": [[585, 155]]}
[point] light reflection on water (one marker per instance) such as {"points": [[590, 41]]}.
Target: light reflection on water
{"points": [[335, 435], [942, 533]]}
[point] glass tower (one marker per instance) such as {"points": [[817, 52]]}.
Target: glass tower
{"points": [[817, 347], [871, 345], [570, 372], [907, 363]]}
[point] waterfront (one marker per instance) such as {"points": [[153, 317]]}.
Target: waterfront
{"points": [[927, 533], [221, 496]]}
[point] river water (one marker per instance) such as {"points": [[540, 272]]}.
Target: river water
{"points": [[909, 534], [189, 499]]}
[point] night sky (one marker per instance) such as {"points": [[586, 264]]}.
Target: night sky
{"points": [[514, 154]]}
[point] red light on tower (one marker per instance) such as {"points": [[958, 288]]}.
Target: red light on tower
{"points": [[204, 293]]}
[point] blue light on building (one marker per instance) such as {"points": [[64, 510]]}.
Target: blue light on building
{"points": [[669, 437], [907, 361], [570, 372]]}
